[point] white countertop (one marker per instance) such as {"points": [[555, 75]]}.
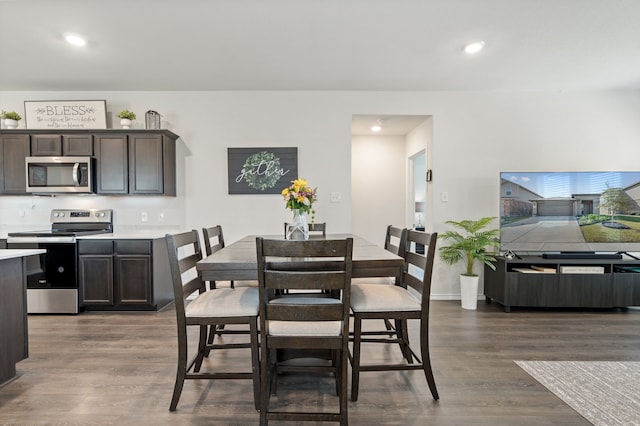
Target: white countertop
{"points": [[13, 253]]}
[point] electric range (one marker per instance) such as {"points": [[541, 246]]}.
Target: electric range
{"points": [[52, 277]]}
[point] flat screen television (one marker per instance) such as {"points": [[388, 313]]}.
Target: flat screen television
{"points": [[574, 212]]}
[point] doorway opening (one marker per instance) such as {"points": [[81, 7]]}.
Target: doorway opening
{"points": [[388, 167]]}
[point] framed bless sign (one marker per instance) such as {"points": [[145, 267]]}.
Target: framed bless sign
{"points": [[65, 114], [261, 170]]}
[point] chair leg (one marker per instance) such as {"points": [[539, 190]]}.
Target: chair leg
{"points": [[255, 361], [202, 348], [335, 363], [355, 359], [181, 371], [342, 394], [402, 333], [426, 366], [177, 388], [388, 325], [265, 388]]}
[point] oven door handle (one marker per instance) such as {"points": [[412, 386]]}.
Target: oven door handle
{"points": [[75, 174]]}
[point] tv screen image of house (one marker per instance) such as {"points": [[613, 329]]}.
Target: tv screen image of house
{"points": [[570, 211]]}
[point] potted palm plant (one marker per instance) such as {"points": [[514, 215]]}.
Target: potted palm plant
{"points": [[469, 243], [10, 119]]}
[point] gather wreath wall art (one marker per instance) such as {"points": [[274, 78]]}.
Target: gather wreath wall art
{"points": [[261, 170]]}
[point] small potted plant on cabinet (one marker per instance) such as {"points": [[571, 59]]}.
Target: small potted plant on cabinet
{"points": [[10, 119], [470, 246], [126, 117]]}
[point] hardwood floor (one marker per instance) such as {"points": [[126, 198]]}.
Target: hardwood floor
{"points": [[119, 368]]}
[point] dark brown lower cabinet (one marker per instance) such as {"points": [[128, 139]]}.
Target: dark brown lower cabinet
{"points": [[123, 274], [14, 345]]}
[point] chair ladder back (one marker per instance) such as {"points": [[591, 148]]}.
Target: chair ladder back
{"points": [[305, 249], [184, 252], [394, 239], [305, 280], [418, 269], [304, 312], [211, 233], [318, 227], [307, 274]]}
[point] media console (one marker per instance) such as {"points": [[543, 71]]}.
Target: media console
{"points": [[536, 281]]}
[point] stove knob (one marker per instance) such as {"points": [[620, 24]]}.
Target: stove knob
{"points": [[61, 214], [56, 214]]}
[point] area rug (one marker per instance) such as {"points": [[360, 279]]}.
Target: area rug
{"points": [[604, 392]]}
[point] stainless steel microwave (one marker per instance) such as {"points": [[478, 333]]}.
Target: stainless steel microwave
{"points": [[53, 175]]}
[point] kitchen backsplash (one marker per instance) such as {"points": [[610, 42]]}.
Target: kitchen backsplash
{"points": [[129, 213]]}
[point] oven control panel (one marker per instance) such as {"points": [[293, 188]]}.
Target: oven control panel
{"points": [[85, 216]]}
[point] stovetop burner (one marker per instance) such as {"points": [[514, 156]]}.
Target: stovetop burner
{"points": [[73, 223]]}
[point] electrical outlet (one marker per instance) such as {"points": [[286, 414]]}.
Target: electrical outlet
{"points": [[445, 197], [144, 216], [160, 216]]}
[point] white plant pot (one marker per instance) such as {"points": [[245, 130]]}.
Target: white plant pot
{"points": [[125, 123], [469, 292], [10, 123]]}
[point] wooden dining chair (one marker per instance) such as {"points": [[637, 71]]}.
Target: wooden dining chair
{"points": [[303, 322], [213, 242], [407, 300], [315, 228], [209, 308]]}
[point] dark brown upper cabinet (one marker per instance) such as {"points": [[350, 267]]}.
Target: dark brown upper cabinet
{"points": [[14, 148], [128, 162]]}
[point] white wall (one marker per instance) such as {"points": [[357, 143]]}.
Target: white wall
{"points": [[475, 135], [378, 183]]}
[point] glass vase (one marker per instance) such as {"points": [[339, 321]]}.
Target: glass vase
{"points": [[298, 229]]}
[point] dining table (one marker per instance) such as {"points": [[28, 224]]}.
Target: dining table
{"points": [[238, 261]]}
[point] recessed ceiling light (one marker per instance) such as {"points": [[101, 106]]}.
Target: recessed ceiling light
{"points": [[474, 47], [75, 39], [376, 128]]}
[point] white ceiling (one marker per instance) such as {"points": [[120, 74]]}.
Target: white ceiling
{"points": [[400, 45]]}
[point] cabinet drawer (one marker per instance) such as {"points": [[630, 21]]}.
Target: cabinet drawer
{"points": [[95, 247], [133, 246]]}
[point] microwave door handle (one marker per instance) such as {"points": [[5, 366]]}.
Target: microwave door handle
{"points": [[75, 174]]}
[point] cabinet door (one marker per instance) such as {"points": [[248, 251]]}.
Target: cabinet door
{"points": [[133, 279], [77, 145], [46, 145], [95, 276], [112, 171], [13, 317], [13, 151], [145, 164]]}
